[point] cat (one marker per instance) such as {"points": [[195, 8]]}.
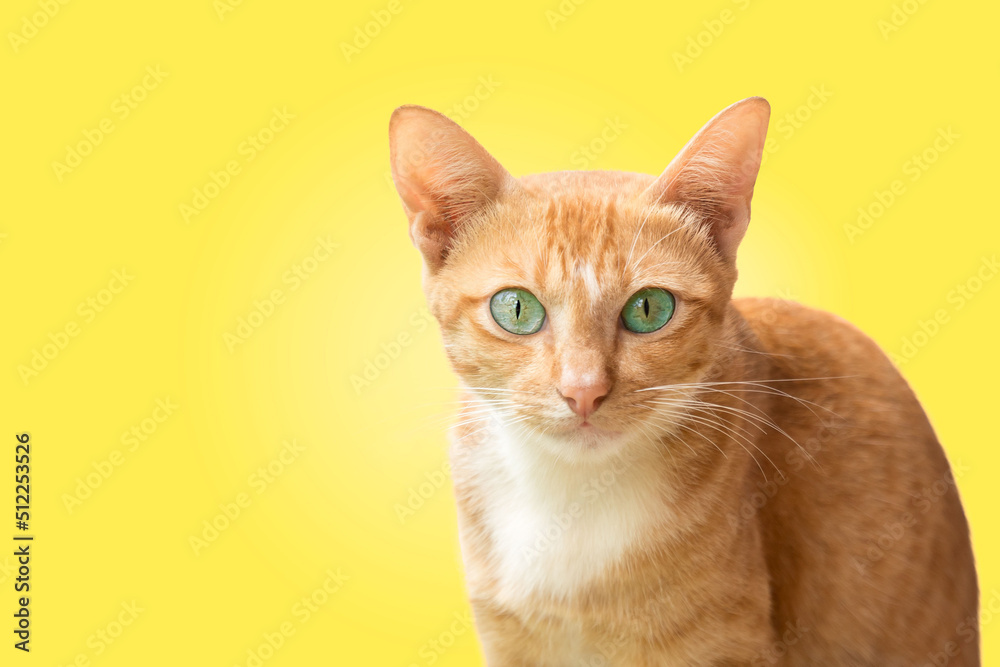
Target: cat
{"points": [[648, 472]]}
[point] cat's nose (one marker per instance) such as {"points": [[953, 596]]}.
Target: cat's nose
{"points": [[584, 399]]}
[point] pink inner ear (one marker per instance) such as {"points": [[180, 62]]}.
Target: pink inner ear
{"points": [[412, 199]]}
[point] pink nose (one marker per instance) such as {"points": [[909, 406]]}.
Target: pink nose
{"points": [[585, 399]]}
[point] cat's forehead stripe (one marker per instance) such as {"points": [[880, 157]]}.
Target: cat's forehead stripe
{"points": [[585, 270], [580, 237]]}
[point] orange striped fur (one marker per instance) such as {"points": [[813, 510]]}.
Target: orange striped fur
{"points": [[757, 486]]}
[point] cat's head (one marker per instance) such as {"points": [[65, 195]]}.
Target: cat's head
{"points": [[562, 297]]}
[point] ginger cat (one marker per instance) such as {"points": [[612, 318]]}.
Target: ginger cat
{"points": [[649, 472]]}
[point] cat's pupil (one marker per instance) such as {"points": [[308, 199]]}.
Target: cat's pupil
{"points": [[517, 309], [645, 306]]}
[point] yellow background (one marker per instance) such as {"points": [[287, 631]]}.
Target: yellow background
{"points": [[555, 85]]}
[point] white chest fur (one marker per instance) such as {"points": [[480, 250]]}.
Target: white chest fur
{"points": [[554, 525]]}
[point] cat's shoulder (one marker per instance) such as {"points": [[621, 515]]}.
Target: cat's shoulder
{"points": [[790, 328], [773, 311], [765, 312]]}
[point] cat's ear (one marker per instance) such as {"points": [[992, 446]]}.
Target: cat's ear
{"points": [[715, 172], [443, 176]]}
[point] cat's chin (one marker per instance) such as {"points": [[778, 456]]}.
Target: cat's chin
{"points": [[572, 441], [590, 438]]}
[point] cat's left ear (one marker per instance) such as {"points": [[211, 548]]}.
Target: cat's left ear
{"points": [[715, 172], [444, 177]]}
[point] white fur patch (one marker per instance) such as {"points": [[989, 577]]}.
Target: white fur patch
{"points": [[558, 524], [590, 280]]}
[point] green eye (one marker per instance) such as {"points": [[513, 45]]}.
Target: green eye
{"points": [[648, 310], [517, 311]]}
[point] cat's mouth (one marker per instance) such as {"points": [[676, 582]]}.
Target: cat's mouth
{"points": [[590, 427], [592, 432]]}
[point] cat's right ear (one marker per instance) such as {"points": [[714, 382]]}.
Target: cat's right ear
{"points": [[715, 172], [444, 177]]}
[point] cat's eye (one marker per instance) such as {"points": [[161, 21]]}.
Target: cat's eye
{"points": [[517, 311], [648, 310]]}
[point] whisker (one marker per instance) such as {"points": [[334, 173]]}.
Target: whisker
{"points": [[759, 384], [749, 350], [662, 418], [635, 239], [723, 425], [756, 419]]}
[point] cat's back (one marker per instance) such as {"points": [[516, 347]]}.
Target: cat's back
{"points": [[858, 502]]}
